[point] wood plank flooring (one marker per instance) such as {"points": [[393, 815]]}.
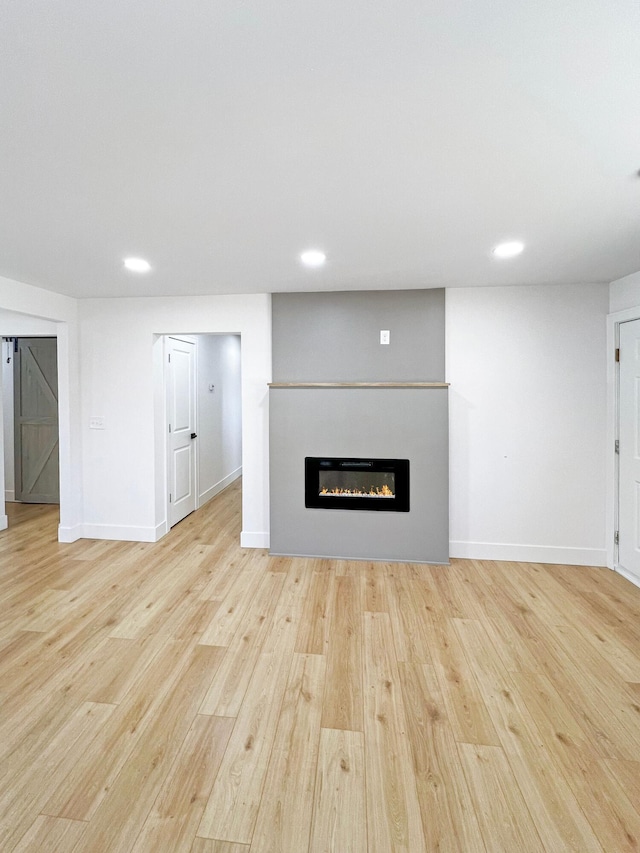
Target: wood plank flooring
{"points": [[189, 696]]}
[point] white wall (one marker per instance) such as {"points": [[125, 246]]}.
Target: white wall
{"points": [[23, 326], [28, 310], [219, 413], [624, 293], [527, 368], [124, 465]]}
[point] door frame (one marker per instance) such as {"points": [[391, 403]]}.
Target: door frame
{"points": [[613, 427], [190, 339], [27, 325]]}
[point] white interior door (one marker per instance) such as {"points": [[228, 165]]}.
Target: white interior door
{"points": [[629, 452], [181, 409]]}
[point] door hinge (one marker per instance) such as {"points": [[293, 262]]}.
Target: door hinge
{"points": [[169, 497], [170, 358], [169, 427], [616, 537], [617, 446], [617, 353]]}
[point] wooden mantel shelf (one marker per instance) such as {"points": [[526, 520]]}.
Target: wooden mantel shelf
{"points": [[358, 384]]}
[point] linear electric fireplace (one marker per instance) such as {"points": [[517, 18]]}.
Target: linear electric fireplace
{"points": [[351, 483]]}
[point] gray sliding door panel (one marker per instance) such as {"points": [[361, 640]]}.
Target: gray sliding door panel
{"points": [[35, 367]]}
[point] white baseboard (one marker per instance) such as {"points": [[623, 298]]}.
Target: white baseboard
{"points": [[108, 531], [634, 579], [528, 553], [254, 540], [121, 532], [218, 487], [4, 522], [69, 534], [161, 530], [10, 495]]}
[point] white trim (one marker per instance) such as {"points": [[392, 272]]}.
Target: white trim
{"points": [[4, 522], [10, 495], [611, 509], [218, 487], [514, 552], [162, 529], [611, 476], [120, 532], [249, 539], [630, 577], [69, 534], [625, 316]]}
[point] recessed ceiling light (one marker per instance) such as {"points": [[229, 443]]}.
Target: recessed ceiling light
{"points": [[137, 264], [508, 250], [313, 258]]}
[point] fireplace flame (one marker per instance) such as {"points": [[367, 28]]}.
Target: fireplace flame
{"points": [[374, 492]]}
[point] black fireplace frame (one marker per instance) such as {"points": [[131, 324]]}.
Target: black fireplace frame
{"points": [[315, 464]]}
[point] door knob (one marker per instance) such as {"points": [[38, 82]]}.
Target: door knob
{"points": [[194, 435]]}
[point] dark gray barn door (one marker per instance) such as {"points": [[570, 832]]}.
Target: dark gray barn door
{"points": [[35, 376]]}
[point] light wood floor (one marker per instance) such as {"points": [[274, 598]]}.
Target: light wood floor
{"points": [[192, 696]]}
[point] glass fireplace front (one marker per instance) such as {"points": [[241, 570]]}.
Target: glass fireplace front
{"points": [[352, 483]]}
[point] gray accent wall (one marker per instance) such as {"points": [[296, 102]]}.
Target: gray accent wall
{"points": [[402, 423], [335, 337]]}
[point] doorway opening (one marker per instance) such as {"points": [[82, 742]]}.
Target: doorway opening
{"points": [[626, 546], [30, 429], [203, 419]]}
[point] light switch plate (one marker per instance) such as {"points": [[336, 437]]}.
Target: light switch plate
{"points": [[384, 336]]}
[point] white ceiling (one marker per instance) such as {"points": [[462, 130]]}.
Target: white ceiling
{"points": [[219, 139]]}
